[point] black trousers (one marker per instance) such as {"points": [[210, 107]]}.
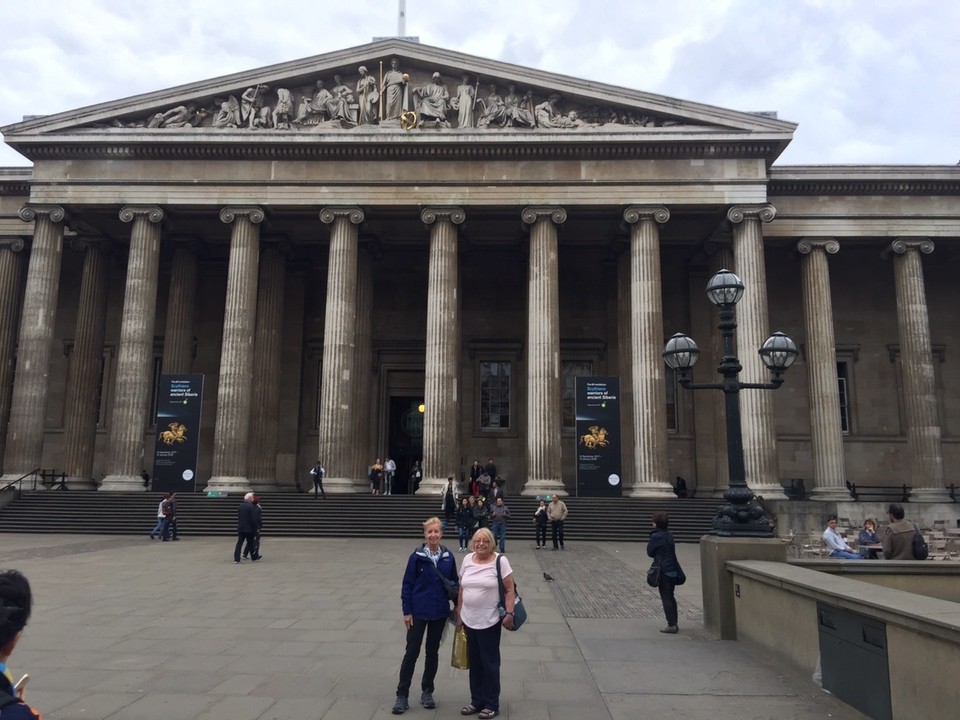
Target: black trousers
{"points": [[483, 647], [250, 538], [557, 527], [318, 488], [666, 588], [431, 660], [169, 528], [541, 535]]}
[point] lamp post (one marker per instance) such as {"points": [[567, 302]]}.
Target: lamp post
{"points": [[738, 517]]}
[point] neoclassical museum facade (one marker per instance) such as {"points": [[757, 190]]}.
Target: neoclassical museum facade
{"points": [[400, 250]]}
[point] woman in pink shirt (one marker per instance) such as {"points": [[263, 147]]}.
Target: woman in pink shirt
{"points": [[477, 612]]}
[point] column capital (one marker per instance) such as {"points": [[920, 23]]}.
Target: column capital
{"points": [[807, 245], [353, 214], [253, 213], [764, 213], [129, 213], [531, 214], [635, 213], [902, 245], [14, 242], [29, 212], [456, 215]]}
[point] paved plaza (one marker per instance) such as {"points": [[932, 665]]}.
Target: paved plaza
{"points": [[129, 629]]}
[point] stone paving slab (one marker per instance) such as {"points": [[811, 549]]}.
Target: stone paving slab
{"points": [[128, 629]]}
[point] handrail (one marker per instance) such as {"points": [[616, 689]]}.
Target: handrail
{"points": [[880, 490], [19, 480]]}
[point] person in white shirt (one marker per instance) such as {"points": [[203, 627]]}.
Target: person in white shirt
{"points": [[835, 543], [389, 470]]}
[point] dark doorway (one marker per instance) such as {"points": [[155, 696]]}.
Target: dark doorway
{"points": [[405, 438]]}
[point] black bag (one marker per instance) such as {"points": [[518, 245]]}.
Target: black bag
{"points": [[452, 588], [653, 574], [519, 611], [681, 576], [920, 549]]}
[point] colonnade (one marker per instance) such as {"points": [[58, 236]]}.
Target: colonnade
{"points": [[250, 360]]}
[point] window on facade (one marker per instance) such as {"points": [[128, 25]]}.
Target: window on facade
{"points": [[672, 411], [843, 390], [495, 395], [571, 370]]}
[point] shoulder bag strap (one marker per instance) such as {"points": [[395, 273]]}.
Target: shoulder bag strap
{"points": [[503, 590], [446, 582]]}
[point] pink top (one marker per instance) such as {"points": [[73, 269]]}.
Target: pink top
{"points": [[481, 592]]}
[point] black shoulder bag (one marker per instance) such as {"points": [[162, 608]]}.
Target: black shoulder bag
{"points": [[519, 611]]}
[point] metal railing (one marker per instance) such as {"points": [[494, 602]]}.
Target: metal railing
{"points": [[885, 491], [47, 478]]}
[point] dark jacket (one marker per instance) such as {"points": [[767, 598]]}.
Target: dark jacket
{"points": [[464, 517], [540, 516], [422, 593], [661, 546], [247, 518], [898, 540], [17, 710]]}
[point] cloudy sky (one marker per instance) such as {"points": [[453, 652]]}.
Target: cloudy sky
{"points": [[868, 81]]}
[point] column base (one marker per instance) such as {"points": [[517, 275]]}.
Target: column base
{"points": [[122, 483], [930, 495], [431, 486], [652, 490], [537, 488], [829, 494], [228, 484], [342, 486], [769, 491]]}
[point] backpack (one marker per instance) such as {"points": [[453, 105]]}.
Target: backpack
{"points": [[920, 549]]}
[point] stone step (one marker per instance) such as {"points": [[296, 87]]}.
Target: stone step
{"points": [[300, 515]]}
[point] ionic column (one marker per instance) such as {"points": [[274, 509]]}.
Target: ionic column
{"points": [[362, 355], [135, 354], [12, 263], [543, 353], [826, 435], [28, 406], [339, 349], [236, 352], [756, 406], [264, 423], [625, 361], [919, 384], [178, 335], [646, 336], [441, 449], [80, 423]]}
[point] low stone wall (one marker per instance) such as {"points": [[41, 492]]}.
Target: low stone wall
{"points": [[776, 610], [936, 579]]}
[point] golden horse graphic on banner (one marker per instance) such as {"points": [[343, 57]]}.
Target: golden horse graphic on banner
{"points": [[176, 434], [597, 437]]}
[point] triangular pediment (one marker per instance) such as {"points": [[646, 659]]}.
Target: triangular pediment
{"points": [[426, 92]]}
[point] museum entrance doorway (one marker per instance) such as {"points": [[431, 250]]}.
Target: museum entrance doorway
{"points": [[405, 438]]}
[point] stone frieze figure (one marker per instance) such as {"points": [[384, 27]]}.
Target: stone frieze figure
{"points": [[516, 113], [548, 116], [464, 102], [494, 112], [368, 97], [433, 101], [283, 110], [228, 114], [394, 92], [252, 110], [178, 117]]}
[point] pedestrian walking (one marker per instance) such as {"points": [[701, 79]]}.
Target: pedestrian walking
{"points": [[317, 473], [498, 523], [169, 529], [155, 533], [540, 525], [248, 523]]}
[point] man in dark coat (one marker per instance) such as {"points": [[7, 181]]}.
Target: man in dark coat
{"points": [[248, 522]]}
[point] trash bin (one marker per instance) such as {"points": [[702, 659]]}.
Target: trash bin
{"points": [[853, 658]]}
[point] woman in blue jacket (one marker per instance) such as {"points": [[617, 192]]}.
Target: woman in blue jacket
{"points": [[426, 606], [661, 547]]}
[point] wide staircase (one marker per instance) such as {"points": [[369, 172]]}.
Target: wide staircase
{"points": [[298, 515]]}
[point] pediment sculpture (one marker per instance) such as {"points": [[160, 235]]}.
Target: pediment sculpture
{"points": [[392, 98]]}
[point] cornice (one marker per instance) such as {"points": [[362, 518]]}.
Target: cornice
{"points": [[865, 180]]}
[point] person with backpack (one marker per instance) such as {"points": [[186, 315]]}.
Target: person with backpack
{"points": [[16, 601], [429, 582]]}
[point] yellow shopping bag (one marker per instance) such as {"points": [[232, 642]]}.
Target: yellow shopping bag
{"points": [[460, 659]]}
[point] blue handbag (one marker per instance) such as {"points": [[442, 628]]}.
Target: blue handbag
{"points": [[519, 611]]}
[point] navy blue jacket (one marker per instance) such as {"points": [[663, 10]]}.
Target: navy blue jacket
{"points": [[661, 546], [422, 594], [16, 710], [247, 518]]}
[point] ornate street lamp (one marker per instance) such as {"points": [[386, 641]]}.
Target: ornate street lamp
{"points": [[738, 517]]}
